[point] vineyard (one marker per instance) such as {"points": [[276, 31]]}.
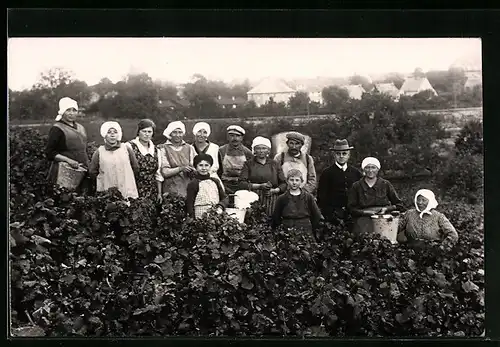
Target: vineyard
{"points": [[95, 266]]}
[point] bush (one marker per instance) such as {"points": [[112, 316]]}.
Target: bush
{"points": [[97, 266], [470, 139]]}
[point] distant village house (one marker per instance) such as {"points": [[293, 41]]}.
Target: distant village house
{"points": [[270, 88], [416, 84], [387, 89], [474, 78], [355, 91], [229, 102]]}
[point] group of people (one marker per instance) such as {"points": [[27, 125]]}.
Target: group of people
{"points": [[208, 175]]}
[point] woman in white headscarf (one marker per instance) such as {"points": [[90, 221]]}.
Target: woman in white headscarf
{"points": [[201, 144], [177, 160], [425, 223], [371, 195], [114, 164], [263, 175], [67, 141]]}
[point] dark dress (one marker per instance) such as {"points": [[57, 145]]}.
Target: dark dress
{"points": [[145, 178], [70, 141], [362, 197], [255, 172]]}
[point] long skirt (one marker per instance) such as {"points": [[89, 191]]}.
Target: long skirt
{"points": [[267, 202]]}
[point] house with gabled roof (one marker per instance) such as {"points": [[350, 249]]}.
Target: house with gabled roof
{"points": [[387, 88], [270, 88], [355, 91], [416, 84], [474, 78]]}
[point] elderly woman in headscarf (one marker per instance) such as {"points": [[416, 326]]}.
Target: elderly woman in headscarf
{"points": [[67, 141], [114, 164], [148, 178], [201, 132], [371, 195], [425, 223], [263, 175], [177, 160]]}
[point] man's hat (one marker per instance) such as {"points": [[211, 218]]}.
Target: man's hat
{"points": [[341, 145]]}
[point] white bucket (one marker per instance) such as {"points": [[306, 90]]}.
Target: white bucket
{"points": [[243, 198], [68, 177], [237, 213], [386, 225]]}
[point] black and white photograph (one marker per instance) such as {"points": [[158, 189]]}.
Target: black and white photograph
{"points": [[245, 187]]}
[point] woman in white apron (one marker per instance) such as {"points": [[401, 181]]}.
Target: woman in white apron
{"points": [[201, 144], [177, 160], [114, 163]]}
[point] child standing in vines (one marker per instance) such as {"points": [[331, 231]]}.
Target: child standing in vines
{"points": [[204, 191], [296, 208], [113, 164]]}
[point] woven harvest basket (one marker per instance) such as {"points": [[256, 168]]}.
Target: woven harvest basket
{"points": [[68, 177]]}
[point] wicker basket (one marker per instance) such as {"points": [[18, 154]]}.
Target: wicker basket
{"points": [[68, 177]]}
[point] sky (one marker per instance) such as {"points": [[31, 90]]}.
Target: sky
{"points": [[228, 59]]}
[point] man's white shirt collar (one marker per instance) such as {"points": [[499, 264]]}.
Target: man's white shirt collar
{"points": [[342, 167]]}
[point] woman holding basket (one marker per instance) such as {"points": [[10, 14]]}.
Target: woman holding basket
{"points": [[67, 143]]}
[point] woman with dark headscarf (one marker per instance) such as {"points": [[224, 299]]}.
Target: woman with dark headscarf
{"points": [[67, 142], [149, 178]]}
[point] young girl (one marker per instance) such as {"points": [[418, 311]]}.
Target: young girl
{"points": [[204, 191], [114, 163], [296, 208]]}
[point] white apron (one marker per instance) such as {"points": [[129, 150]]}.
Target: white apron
{"points": [[115, 170]]}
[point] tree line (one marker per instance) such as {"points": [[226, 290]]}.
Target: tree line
{"points": [[139, 96]]}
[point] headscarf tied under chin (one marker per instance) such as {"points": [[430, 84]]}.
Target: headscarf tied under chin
{"points": [[108, 125], [429, 195], [65, 104], [172, 126]]}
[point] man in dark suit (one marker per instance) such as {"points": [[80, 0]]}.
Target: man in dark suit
{"points": [[335, 182]]}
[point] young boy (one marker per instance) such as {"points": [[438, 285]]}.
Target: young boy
{"points": [[204, 191], [296, 208]]}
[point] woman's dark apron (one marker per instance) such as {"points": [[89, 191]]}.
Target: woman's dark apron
{"points": [[76, 149]]}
